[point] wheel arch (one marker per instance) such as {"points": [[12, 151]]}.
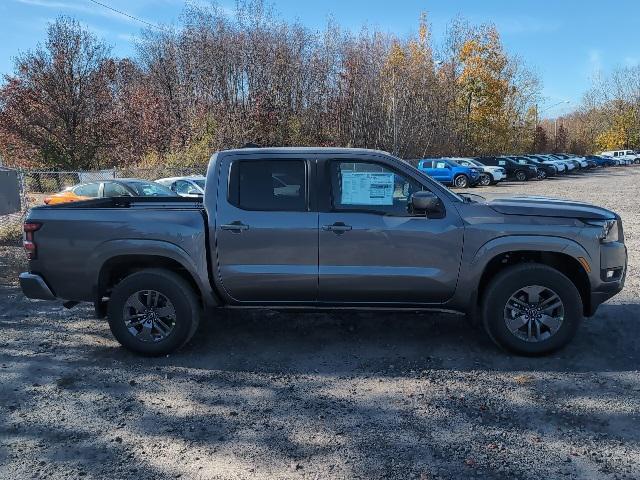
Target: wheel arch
{"points": [[564, 262], [123, 257]]}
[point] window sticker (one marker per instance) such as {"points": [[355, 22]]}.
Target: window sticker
{"points": [[367, 188]]}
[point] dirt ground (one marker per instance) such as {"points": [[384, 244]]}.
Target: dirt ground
{"points": [[349, 395]]}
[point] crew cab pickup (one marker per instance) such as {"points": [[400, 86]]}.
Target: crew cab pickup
{"points": [[326, 228]]}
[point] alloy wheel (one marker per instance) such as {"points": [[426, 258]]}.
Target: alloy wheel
{"points": [[149, 316], [461, 181], [534, 313]]}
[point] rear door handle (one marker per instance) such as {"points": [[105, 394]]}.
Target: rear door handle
{"points": [[236, 227], [338, 228]]}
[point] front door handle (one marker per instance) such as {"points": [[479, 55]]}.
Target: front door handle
{"points": [[338, 228], [235, 227]]}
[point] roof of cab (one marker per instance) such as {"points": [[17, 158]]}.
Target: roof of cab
{"points": [[321, 150]]}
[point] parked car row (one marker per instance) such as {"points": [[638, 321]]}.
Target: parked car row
{"points": [[463, 172], [459, 172]]}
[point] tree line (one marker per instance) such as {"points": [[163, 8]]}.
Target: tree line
{"points": [[608, 117], [218, 81]]}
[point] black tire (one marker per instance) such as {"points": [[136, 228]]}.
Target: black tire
{"points": [[485, 180], [173, 287], [542, 174], [461, 181], [509, 281], [521, 176]]}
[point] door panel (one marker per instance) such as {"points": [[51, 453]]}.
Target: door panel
{"points": [[389, 259], [382, 254], [268, 255]]}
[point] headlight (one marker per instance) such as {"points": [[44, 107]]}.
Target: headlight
{"points": [[609, 232]]}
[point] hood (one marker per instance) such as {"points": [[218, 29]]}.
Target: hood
{"points": [[548, 207]]}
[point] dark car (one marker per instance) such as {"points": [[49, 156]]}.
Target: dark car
{"points": [[601, 160], [544, 169], [514, 170]]}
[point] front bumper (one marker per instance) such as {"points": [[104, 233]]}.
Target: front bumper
{"points": [[613, 256], [34, 286]]}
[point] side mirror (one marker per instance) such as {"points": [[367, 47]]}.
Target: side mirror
{"points": [[424, 201]]}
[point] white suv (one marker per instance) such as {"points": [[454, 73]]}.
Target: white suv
{"points": [[490, 176], [624, 156]]}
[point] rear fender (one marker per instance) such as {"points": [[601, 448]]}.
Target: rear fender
{"points": [[136, 247]]}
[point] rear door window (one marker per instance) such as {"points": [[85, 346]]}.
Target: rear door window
{"points": [[268, 185]]}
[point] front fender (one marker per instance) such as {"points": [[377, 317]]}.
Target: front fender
{"points": [[475, 262], [515, 243]]}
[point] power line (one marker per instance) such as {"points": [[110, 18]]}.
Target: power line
{"points": [[153, 25]]}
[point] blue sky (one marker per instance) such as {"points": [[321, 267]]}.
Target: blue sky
{"points": [[566, 42]]}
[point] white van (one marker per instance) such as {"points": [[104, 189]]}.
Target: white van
{"points": [[625, 156]]}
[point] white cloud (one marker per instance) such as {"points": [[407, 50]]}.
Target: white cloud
{"points": [[526, 25], [631, 61], [595, 61], [91, 9]]}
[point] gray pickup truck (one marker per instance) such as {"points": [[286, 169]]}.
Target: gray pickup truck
{"points": [[326, 228]]}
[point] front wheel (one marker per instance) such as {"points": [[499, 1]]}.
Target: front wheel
{"points": [[461, 181], [542, 174], [521, 176], [531, 309], [485, 180], [153, 312]]}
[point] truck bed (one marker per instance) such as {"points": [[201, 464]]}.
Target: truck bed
{"points": [[76, 239]]}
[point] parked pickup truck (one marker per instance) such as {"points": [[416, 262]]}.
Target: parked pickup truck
{"points": [[326, 228]]}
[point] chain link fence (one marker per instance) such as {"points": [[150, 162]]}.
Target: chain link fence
{"points": [[34, 185]]}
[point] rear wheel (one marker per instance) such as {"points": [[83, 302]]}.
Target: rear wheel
{"points": [[153, 312], [531, 309], [461, 181], [521, 176], [485, 180], [542, 174]]}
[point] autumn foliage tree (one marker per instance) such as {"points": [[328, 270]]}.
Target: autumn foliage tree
{"points": [[218, 81], [59, 102]]}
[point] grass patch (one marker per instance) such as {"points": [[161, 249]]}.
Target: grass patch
{"points": [[11, 233]]}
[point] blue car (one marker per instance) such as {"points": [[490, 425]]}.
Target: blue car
{"points": [[450, 172], [601, 161]]}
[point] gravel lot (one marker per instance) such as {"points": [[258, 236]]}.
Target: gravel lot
{"points": [[271, 395]]}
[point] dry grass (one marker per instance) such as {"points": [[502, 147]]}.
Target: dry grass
{"points": [[11, 232]]}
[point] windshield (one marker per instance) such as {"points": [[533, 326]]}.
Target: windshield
{"points": [[199, 183], [148, 189]]}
